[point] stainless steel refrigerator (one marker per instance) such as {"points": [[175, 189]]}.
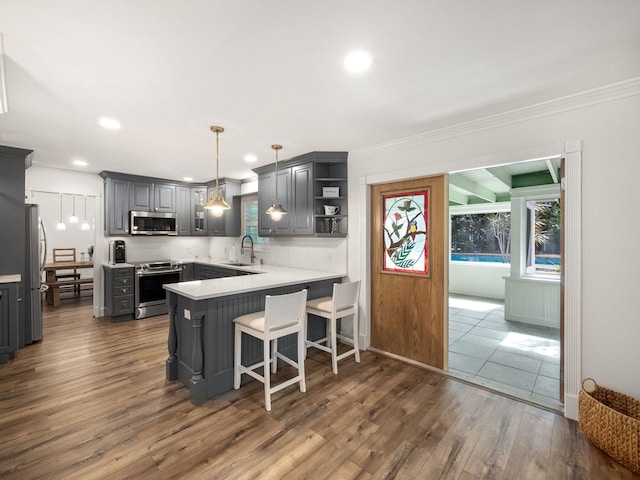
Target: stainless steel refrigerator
{"points": [[35, 252]]}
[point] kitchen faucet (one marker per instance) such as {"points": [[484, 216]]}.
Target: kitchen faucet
{"points": [[253, 256]]}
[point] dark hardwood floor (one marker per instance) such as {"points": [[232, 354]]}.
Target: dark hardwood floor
{"points": [[91, 402]]}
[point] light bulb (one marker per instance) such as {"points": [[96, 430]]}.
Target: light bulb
{"points": [[217, 211], [73, 219], [61, 226], [85, 226], [276, 216]]}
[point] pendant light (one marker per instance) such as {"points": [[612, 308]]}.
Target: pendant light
{"points": [[61, 225], [73, 218], [276, 210], [217, 205], [85, 224]]}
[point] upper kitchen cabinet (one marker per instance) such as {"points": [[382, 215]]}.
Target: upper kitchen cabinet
{"points": [[152, 196], [228, 224], [306, 185], [116, 205], [124, 193]]}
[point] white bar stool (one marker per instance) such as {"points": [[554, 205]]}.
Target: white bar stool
{"points": [[282, 315], [343, 302]]}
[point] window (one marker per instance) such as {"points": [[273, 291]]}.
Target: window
{"points": [[481, 237], [543, 236], [250, 214]]}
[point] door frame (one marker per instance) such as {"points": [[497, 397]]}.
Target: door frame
{"points": [[571, 151]]}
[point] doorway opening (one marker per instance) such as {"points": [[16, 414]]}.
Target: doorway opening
{"points": [[504, 279]]}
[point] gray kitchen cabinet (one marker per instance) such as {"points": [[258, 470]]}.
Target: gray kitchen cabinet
{"points": [[187, 272], [330, 189], [124, 193], [152, 196], [197, 213], [306, 184], [206, 272], [119, 284], [183, 210], [228, 224], [116, 206], [8, 321], [302, 219], [267, 196]]}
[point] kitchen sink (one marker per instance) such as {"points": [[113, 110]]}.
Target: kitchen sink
{"points": [[239, 264]]}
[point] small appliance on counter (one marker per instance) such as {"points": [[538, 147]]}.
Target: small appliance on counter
{"points": [[117, 252]]}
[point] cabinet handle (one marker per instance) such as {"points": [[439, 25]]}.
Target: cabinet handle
{"points": [[125, 281]]}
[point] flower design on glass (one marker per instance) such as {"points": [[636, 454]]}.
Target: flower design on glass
{"points": [[405, 233]]}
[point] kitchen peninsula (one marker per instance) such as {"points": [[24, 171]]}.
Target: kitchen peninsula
{"points": [[201, 330]]}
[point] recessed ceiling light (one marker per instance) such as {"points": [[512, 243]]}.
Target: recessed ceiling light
{"points": [[79, 162], [250, 158], [188, 179], [109, 123], [358, 61]]}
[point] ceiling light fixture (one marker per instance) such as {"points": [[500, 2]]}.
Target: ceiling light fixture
{"points": [[109, 123], [85, 224], [188, 179], [250, 158], [61, 225], [358, 61], [79, 162], [276, 210], [217, 205], [73, 218]]}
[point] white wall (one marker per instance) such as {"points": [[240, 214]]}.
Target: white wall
{"points": [[38, 179], [610, 170], [481, 279]]}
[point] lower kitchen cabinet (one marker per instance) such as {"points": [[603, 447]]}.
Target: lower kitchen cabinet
{"points": [[119, 284], [8, 321]]}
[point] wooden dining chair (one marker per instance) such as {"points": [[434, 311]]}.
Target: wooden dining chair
{"points": [[67, 255]]}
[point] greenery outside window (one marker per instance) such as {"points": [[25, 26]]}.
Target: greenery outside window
{"points": [[543, 237], [249, 225], [481, 233]]}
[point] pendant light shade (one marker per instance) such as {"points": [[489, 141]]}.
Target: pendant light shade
{"points": [[61, 225], [276, 209], [85, 224], [217, 205], [73, 218]]}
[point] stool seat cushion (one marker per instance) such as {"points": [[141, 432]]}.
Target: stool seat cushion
{"points": [[323, 303], [254, 321]]}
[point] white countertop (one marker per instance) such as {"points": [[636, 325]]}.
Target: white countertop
{"points": [[267, 276], [10, 278]]}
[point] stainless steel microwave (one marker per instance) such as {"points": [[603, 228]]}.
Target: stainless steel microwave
{"points": [[153, 223]]}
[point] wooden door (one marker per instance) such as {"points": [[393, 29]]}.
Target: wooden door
{"points": [[409, 311]]}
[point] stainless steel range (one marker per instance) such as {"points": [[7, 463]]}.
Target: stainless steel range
{"points": [[150, 297]]}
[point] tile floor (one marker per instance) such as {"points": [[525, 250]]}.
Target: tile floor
{"points": [[517, 358]]}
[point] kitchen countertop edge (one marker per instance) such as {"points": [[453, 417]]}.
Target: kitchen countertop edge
{"points": [[267, 276]]}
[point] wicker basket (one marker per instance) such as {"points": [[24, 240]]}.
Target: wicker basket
{"points": [[611, 421]]}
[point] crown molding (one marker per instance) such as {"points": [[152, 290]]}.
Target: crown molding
{"points": [[594, 96]]}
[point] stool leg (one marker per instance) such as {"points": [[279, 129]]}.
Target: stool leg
{"points": [[274, 357], [334, 345], [267, 375], [301, 350], [356, 334], [237, 356]]}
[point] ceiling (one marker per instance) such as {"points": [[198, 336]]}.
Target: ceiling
{"points": [[494, 184], [271, 72]]}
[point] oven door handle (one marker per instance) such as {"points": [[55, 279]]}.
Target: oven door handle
{"points": [[163, 272]]}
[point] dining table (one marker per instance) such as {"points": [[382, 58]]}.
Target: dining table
{"points": [[53, 292]]}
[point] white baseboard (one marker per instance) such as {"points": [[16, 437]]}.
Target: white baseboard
{"points": [[571, 406]]}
